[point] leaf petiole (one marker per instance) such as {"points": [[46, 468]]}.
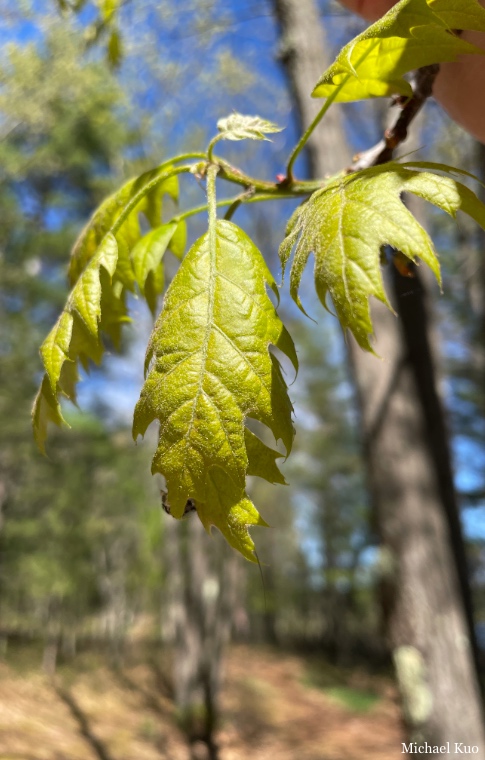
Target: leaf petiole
{"points": [[211, 146], [243, 199], [144, 191], [307, 134], [316, 121]]}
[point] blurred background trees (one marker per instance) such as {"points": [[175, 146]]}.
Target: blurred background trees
{"points": [[408, 461], [88, 560]]}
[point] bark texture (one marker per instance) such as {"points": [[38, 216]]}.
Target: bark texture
{"points": [[425, 588]]}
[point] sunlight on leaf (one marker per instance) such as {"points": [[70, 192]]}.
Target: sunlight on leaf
{"points": [[210, 368], [346, 224], [103, 266], [414, 33]]}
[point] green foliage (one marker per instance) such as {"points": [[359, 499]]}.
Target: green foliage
{"points": [[63, 121], [108, 8], [115, 48], [337, 683], [212, 369], [146, 259], [346, 224], [413, 34], [100, 271], [79, 530], [355, 700], [85, 522], [104, 26], [142, 194]]}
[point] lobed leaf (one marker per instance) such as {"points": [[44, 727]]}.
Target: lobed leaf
{"points": [[178, 241], [46, 409], [147, 256], [240, 127], [161, 183], [146, 259], [211, 368], [346, 224], [262, 459], [108, 258], [414, 33], [231, 512], [74, 336]]}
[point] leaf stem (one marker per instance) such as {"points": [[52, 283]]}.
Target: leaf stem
{"points": [[278, 189], [307, 134], [237, 202], [212, 204], [144, 191], [183, 157], [199, 210], [211, 146], [316, 121], [257, 198]]}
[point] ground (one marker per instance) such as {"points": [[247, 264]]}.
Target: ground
{"points": [[275, 707]]}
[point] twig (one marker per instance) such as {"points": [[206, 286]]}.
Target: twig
{"points": [[384, 150]]}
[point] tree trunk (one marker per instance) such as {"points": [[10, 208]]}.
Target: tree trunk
{"points": [[51, 637], [200, 577], [424, 613], [408, 463], [3, 500], [112, 585], [49, 655], [478, 294]]}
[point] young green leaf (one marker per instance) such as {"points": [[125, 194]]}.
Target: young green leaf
{"points": [[414, 33], [146, 258], [346, 224], [46, 409], [240, 127], [74, 336], [230, 511], [178, 241], [262, 459], [210, 369], [103, 266], [157, 183]]}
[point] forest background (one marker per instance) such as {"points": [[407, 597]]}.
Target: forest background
{"points": [[92, 572]]}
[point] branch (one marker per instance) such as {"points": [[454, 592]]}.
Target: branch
{"points": [[422, 85], [278, 189], [473, 498]]}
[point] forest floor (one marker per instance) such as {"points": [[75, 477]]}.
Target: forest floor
{"points": [[275, 707]]}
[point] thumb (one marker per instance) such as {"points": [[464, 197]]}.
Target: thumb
{"points": [[371, 10]]}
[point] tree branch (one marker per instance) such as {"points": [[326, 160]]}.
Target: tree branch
{"points": [[422, 85]]}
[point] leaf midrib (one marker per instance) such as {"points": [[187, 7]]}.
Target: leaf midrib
{"points": [[212, 241]]}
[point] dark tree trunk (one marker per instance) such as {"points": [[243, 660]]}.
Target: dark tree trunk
{"points": [[474, 269], [423, 607], [480, 287], [424, 571]]}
